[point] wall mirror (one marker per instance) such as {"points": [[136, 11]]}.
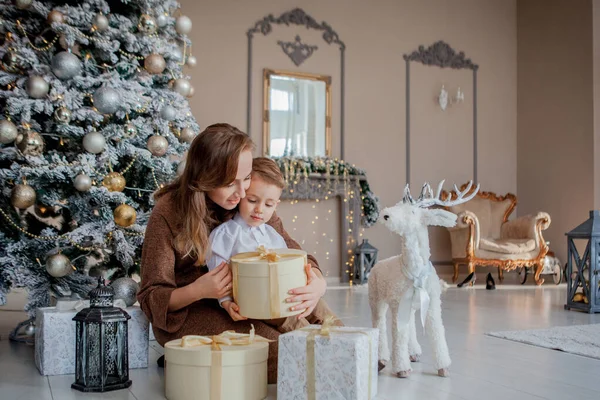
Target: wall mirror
{"points": [[296, 114]]}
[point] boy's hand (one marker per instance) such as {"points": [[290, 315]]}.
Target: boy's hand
{"points": [[233, 310]]}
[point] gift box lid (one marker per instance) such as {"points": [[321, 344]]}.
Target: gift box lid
{"points": [[255, 264], [201, 355]]}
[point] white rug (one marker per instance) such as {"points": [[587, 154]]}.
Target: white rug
{"points": [[583, 340]]}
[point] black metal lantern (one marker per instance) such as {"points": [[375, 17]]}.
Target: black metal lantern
{"points": [[365, 257], [101, 358], [583, 290]]}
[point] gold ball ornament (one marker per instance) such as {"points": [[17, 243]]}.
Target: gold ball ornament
{"points": [[157, 145], [124, 215], [191, 92], [37, 87], [22, 196], [58, 265], [23, 4], [56, 16], [187, 135], [147, 24], [30, 143], [155, 64], [114, 182]]}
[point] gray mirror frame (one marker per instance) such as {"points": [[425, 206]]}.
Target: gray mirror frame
{"points": [[440, 54], [296, 17]]}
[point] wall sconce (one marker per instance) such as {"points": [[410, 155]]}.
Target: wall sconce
{"points": [[444, 100]]}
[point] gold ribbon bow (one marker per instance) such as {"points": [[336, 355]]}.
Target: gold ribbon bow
{"points": [[229, 338], [326, 329], [266, 254]]}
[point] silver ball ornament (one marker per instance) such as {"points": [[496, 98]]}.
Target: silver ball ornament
{"points": [[182, 86], [62, 115], [58, 265], [100, 22], [126, 289], [94, 142], [168, 112], [183, 25], [37, 87], [83, 183], [66, 65], [130, 130], [187, 135], [157, 145], [162, 20], [30, 330], [23, 4], [155, 64], [8, 131], [30, 143], [191, 61], [106, 100], [147, 24]]}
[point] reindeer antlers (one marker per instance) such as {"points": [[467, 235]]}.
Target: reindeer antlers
{"points": [[427, 199]]}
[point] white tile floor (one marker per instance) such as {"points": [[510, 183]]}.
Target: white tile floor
{"points": [[483, 367]]}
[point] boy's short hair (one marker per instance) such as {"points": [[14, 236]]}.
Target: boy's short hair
{"points": [[268, 170]]}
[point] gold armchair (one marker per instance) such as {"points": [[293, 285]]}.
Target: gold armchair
{"points": [[484, 236]]}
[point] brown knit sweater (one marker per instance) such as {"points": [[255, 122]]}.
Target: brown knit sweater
{"points": [[164, 269]]}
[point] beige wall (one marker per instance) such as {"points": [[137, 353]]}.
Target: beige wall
{"points": [[555, 113], [377, 34]]}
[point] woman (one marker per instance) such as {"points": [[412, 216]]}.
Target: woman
{"points": [[178, 294]]}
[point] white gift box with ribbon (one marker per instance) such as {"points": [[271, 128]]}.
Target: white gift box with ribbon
{"points": [[55, 337], [324, 362]]}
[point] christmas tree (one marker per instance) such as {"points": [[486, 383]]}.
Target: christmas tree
{"points": [[95, 119]]}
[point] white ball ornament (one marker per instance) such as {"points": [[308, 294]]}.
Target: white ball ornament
{"points": [[182, 86], [192, 61], [183, 25], [94, 142], [83, 183]]}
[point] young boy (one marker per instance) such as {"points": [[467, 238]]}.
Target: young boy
{"points": [[248, 229]]}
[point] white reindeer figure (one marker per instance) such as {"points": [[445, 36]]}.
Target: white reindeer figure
{"points": [[408, 282]]}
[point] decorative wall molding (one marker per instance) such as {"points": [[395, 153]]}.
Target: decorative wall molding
{"points": [[297, 51], [296, 17], [440, 54]]}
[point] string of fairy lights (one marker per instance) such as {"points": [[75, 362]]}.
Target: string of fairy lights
{"points": [[317, 180]]}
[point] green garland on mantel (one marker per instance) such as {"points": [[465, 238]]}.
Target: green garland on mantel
{"points": [[332, 167]]}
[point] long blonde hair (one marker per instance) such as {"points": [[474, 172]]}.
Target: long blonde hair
{"points": [[212, 162]]}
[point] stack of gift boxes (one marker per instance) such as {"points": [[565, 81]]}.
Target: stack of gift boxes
{"points": [[318, 362]]}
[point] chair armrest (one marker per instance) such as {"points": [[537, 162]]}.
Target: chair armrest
{"points": [[526, 227], [465, 234]]}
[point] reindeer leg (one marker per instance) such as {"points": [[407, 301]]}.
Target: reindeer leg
{"points": [[400, 358], [414, 349], [437, 335], [379, 315]]}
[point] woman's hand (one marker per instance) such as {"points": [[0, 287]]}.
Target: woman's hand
{"points": [[309, 295], [214, 284]]}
